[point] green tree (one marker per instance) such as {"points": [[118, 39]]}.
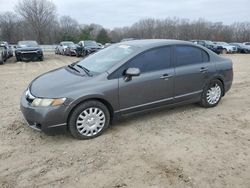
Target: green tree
{"points": [[85, 33], [103, 37]]}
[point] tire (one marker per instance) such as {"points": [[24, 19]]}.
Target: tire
{"points": [[212, 94], [18, 58], [224, 51], [83, 119], [1, 59]]}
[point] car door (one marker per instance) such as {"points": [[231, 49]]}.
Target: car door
{"points": [[153, 87], [192, 70]]}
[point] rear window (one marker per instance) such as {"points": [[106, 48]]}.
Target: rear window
{"points": [[187, 55], [205, 56]]}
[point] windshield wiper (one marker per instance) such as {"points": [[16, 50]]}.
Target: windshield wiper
{"points": [[87, 71], [72, 67]]}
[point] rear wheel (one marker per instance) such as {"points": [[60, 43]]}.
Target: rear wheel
{"points": [[212, 94], [1, 59], [89, 120], [224, 51]]}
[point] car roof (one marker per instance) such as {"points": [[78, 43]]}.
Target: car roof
{"points": [[146, 43]]}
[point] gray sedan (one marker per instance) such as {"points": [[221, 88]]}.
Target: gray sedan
{"points": [[122, 79]]}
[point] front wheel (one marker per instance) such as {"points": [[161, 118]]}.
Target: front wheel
{"points": [[89, 120], [41, 58], [18, 58], [212, 94]]}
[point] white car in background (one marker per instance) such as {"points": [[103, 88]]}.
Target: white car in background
{"points": [[247, 43], [227, 48], [61, 48]]}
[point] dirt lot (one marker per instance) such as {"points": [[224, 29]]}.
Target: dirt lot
{"points": [[183, 147]]}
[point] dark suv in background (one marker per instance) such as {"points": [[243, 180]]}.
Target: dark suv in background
{"points": [[28, 50], [3, 54], [209, 44], [87, 47], [122, 79]]}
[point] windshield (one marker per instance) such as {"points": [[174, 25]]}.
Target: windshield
{"points": [[235, 44], [72, 45], [90, 43], [210, 43], [222, 43], [27, 43], [102, 60], [68, 44]]}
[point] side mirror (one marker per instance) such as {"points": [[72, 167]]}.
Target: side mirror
{"points": [[130, 72]]}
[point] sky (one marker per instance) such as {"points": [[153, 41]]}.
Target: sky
{"points": [[119, 13]]}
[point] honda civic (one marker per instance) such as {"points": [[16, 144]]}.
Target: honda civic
{"points": [[128, 77]]}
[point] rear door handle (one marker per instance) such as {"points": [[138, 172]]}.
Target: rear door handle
{"points": [[203, 70], [166, 76]]}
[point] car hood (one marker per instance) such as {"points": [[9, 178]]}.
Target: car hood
{"points": [[57, 83], [29, 49]]}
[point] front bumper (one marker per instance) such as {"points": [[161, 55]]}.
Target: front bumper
{"points": [[73, 52], [30, 55], [47, 119]]}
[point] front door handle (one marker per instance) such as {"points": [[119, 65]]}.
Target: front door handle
{"points": [[203, 70], [166, 76]]}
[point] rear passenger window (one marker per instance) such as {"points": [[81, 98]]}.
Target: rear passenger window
{"points": [[152, 60], [187, 55]]}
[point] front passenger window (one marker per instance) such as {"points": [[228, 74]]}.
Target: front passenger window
{"points": [[152, 60]]}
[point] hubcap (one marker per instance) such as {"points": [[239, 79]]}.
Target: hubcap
{"points": [[90, 121], [214, 94]]}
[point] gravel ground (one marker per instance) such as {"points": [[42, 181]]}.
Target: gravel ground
{"points": [[187, 146]]}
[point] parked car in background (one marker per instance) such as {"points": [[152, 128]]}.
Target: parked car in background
{"points": [[3, 54], [122, 79], [57, 49], [8, 48], [247, 43], [107, 45], [101, 46], [209, 44], [61, 49], [87, 47], [241, 48], [127, 39], [28, 50], [71, 50], [227, 48]]}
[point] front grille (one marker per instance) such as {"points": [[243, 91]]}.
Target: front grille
{"points": [[28, 55]]}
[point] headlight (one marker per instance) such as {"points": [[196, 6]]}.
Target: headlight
{"points": [[47, 102]]}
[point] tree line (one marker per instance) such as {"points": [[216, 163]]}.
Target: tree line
{"points": [[38, 20]]}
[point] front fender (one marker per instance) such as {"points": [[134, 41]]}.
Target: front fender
{"points": [[80, 100]]}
